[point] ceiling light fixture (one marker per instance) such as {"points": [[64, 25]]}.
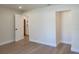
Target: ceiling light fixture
{"points": [[20, 7]]}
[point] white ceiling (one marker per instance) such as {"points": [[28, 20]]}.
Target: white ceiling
{"points": [[25, 7]]}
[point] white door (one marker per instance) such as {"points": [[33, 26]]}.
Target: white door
{"points": [[19, 27]]}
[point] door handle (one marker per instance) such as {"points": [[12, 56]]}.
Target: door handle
{"points": [[16, 29]]}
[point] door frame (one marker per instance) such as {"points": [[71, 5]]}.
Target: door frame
{"points": [[56, 22]]}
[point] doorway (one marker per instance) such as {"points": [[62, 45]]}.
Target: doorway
{"points": [[21, 27], [63, 27], [26, 33], [24, 27]]}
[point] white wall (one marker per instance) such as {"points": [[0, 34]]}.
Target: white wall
{"points": [[41, 29], [75, 35], [7, 25]]}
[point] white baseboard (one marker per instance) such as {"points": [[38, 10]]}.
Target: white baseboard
{"points": [[18, 40], [66, 42], [75, 50], [6, 42], [52, 45]]}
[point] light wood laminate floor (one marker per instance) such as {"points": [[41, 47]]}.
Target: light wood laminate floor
{"points": [[26, 47]]}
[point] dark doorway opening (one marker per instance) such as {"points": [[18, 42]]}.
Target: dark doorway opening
{"points": [[24, 27]]}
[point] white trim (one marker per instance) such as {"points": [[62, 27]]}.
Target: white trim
{"points": [[66, 42], [74, 50], [18, 40], [6, 42], [52, 45]]}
